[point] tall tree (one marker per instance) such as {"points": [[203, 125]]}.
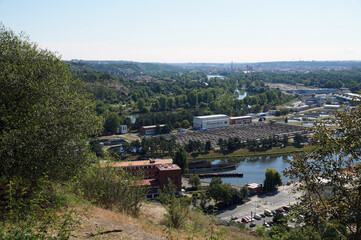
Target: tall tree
{"points": [[46, 117], [330, 175], [112, 123], [181, 159], [272, 180]]}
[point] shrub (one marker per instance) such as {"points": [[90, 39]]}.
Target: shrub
{"points": [[107, 187], [37, 213]]}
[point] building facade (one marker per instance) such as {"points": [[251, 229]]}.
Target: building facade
{"points": [[149, 130], [123, 129], [210, 121], [156, 172], [240, 120]]}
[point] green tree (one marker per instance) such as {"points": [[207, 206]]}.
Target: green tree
{"points": [[167, 128], [330, 175], [195, 181], [185, 124], [272, 180], [208, 146], [163, 102], [278, 218], [46, 116], [181, 159], [298, 140], [244, 191], [177, 208], [112, 123], [141, 105], [97, 148]]}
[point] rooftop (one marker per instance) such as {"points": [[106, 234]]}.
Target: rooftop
{"points": [[153, 126], [241, 117], [169, 167], [253, 185], [211, 116], [143, 163]]}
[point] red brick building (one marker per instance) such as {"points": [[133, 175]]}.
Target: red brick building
{"points": [[156, 173]]}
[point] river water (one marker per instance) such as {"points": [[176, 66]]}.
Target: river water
{"points": [[254, 168], [241, 94]]}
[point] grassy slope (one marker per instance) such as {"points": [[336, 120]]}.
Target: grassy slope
{"points": [[150, 225]]}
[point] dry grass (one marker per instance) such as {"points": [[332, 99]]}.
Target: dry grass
{"points": [[149, 225]]}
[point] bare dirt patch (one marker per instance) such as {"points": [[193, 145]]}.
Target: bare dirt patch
{"points": [[105, 224]]}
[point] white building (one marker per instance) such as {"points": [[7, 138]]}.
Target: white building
{"points": [[211, 121], [123, 129]]}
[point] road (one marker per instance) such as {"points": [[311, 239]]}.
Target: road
{"points": [[258, 204]]}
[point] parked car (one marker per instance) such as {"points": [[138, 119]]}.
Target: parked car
{"points": [[257, 217], [268, 212], [234, 218], [280, 210], [245, 220], [273, 212], [266, 225], [262, 215], [286, 208], [252, 225]]}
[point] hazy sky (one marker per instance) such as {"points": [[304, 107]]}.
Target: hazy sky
{"points": [[190, 30]]}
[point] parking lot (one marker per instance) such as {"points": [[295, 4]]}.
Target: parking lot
{"points": [[243, 131], [257, 204], [266, 220]]}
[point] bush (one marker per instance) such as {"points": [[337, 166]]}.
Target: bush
{"points": [[177, 208], [107, 187], [195, 181], [37, 213]]}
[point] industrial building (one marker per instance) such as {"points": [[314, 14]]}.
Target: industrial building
{"points": [[210, 121], [240, 120]]}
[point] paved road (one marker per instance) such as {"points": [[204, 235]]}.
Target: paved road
{"points": [[259, 203]]}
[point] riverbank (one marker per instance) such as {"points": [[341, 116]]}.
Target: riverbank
{"points": [[245, 153]]}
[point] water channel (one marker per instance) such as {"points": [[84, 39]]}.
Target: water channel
{"points": [[254, 168], [241, 94]]}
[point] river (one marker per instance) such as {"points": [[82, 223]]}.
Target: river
{"points": [[241, 94], [254, 168]]}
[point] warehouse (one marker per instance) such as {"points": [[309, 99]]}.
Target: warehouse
{"points": [[211, 121], [240, 120]]}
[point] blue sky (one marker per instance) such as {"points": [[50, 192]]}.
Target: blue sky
{"points": [[190, 30]]}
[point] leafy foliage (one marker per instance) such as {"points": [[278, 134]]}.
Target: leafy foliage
{"points": [[177, 207], [37, 213], [181, 159], [110, 188], [195, 181], [272, 180], [329, 176], [46, 117]]}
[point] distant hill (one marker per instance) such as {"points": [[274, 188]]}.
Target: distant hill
{"points": [[271, 66], [124, 68]]}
